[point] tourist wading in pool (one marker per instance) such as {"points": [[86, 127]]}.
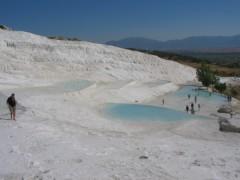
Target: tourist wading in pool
{"points": [[11, 102]]}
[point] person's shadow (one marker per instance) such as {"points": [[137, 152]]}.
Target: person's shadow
{"points": [[3, 116]]}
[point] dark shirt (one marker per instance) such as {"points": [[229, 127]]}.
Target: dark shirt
{"points": [[11, 101]]}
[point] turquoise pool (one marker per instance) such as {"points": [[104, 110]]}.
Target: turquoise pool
{"points": [[137, 112], [75, 85], [193, 91]]}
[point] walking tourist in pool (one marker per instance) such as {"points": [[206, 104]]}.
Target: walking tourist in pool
{"points": [[11, 102], [189, 96], [199, 107], [192, 105], [187, 108], [192, 108], [195, 99], [163, 101]]}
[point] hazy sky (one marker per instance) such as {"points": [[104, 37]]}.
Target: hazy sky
{"points": [[103, 20]]}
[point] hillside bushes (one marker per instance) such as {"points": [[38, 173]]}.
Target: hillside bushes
{"points": [[207, 77]]}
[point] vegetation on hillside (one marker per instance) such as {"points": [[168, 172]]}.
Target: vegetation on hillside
{"points": [[206, 75], [4, 27], [231, 60], [220, 69]]}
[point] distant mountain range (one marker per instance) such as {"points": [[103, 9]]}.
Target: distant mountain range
{"points": [[197, 43]]}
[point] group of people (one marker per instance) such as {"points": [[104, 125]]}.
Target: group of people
{"points": [[191, 109], [11, 102], [229, 98]]}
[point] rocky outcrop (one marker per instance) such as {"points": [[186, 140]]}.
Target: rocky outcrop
{"points": [[225, 109], [226, 126]]}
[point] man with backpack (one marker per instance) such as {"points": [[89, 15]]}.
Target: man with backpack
{"points": [[11, 102]]}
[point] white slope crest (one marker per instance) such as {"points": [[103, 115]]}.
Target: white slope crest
{"points": [[29, 55]]}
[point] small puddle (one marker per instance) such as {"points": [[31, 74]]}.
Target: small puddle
{"points": [[74, 85]]}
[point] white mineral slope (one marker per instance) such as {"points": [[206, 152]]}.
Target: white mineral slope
{"points": [[27, 55], [63, 135]]}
